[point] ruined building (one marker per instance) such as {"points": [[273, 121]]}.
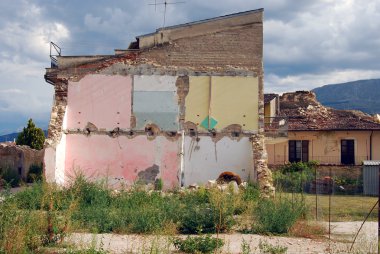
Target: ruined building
{"points": [[182, 104], [326, 135], [19, 158]]}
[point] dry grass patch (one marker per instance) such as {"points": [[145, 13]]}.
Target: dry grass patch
{"points": [[308, 229]]}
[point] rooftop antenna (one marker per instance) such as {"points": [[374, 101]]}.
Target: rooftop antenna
{"points": [[165, 3]]}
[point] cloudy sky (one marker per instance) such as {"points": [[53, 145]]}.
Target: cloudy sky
{"points": [[306, 43]]}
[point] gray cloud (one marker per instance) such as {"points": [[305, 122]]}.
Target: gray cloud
{"points": [[306, 43]]}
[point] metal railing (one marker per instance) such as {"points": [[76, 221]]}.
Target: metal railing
{"points": [[55, 51]]}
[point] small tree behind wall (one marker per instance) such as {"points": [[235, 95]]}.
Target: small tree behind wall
{"points": [[31, 136]]}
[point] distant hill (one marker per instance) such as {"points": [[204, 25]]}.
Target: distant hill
{"points": [[13, 136], [363, 95]]}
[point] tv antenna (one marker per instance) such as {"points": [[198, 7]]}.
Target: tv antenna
{"points": [[165, 4]]}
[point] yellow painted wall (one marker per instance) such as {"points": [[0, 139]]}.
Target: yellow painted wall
{"points": [[325, 146], [197, 100], [234, 100]]}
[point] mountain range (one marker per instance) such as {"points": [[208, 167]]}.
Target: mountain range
{"points": [[363, 95], [13, 136]]}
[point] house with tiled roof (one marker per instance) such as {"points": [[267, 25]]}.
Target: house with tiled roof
{"points": [[326, 135]]}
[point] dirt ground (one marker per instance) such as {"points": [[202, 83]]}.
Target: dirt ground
{"points": [[342, 234]]}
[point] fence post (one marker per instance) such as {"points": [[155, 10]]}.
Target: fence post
{"points": [[316, 194], [378, 216]]}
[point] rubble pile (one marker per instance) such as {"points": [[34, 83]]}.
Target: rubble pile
{"points": [[306, 113]]}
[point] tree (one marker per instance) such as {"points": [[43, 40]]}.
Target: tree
{"points": [[31, 136]]}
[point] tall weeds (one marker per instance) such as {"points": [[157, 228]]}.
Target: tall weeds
{"points": [[277, 215], [43, 214], [36, 217]]}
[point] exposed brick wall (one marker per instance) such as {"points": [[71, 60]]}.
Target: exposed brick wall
{"points": [[57, 113], [240, 47]]}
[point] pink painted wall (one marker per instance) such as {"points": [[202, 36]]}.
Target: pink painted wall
{"points": [[101, 156], [100, 99]]}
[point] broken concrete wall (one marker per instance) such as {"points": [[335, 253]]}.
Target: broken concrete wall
{"points": [[99, 110], [106, 115], [19, 158], [214, 72], [54, 147]]}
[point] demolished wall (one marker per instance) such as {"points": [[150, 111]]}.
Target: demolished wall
{"points": [[175, 95], [19, 158]]}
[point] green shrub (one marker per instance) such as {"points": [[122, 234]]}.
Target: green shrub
{"points": [[207, 211], [245, 247], [31, 198], [158, 184], [197, 218], [128, 212], [9, 176], [277, 216], [299, 166], [198, 244], [267, 248], [34, 173], [251, 193], [294, 177], [33, 218], [20, 231], [224, 205]]}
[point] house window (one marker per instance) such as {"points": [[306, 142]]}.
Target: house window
{"points": [[347, 156], [298, 150]]}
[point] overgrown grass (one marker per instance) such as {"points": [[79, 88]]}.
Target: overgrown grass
{"points": [[267, 248], [198, 244], [43, 214], [278, 215], [97, 209], [343, 207], [33, 218], [9, 177]]}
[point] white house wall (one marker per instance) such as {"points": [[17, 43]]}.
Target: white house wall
{"points": [[205, 160]]}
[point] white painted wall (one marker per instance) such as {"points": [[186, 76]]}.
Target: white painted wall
{"points": [[55, 158], [205, 160], [49, 164]]}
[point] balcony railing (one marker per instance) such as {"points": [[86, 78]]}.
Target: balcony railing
{"points": [[276, 126], [55, 51]]}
